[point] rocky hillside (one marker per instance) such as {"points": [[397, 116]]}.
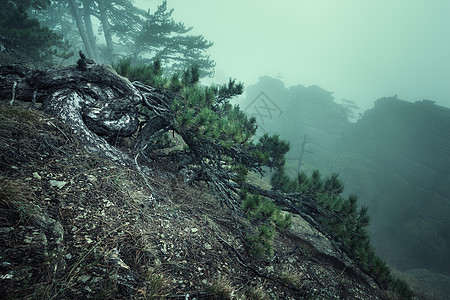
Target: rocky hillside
{"points": [[76, 226], [406, 148]]}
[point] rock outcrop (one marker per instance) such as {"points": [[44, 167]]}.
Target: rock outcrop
{"points": [[396, 158], [406, 147], [295, 112]]}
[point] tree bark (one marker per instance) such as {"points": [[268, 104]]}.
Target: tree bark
{"points": [[302, 151], [96, 103], [106, 31], [81, 28], [89, 29]]}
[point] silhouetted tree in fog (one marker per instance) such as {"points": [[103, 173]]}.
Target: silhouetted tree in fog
{"points": [[128, 31], [24, 39]]}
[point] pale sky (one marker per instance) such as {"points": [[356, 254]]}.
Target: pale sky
{"points": [[359, 49]]}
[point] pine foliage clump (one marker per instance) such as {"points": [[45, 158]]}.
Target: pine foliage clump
{"points": [[24, 40], [150, 74], [218, 135], [267, 218], [220, 149], [343, 220], [164, 39]]}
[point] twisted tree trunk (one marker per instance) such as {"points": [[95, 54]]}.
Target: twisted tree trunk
{"points": [[96, 103]]}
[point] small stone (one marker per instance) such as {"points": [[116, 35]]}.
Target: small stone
{"points": [[157, 262], [194, 230], [207, 246], [57, 183], [96, 279], [84, 278], [7, 276], [6, 229], [69, 256], [37, 176]]}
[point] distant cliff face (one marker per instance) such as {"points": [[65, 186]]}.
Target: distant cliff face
{"points": [[396, 158], [295, 112], [406, 147]]}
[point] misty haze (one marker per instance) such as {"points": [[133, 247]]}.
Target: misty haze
{"points": [[220, 149]]}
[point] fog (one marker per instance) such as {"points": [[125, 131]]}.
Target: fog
{"points": [[359, 50], [396, 157], [298, 60]]}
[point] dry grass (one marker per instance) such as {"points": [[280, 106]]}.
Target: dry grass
{"points": [[105, 233]]}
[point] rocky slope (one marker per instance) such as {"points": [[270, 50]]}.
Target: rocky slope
{"points": [[74, 226]]}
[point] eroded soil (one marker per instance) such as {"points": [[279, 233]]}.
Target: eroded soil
{"points": [[75, 226]]}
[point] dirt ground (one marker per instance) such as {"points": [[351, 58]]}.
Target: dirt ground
{"points": [[76, 226]]}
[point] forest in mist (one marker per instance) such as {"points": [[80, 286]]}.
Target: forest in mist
{"points": [[395, 158], [354, 90], [358, 51]]}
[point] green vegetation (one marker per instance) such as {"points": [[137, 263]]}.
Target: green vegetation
{"points": [[256, 294], [155, 286], [217, 134], [13, 199], [291, 279], [108, 31], [23, 39], [342, 219], [166, 40], [150, 74], [267, 217], [221, 289], [220, 146]]}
